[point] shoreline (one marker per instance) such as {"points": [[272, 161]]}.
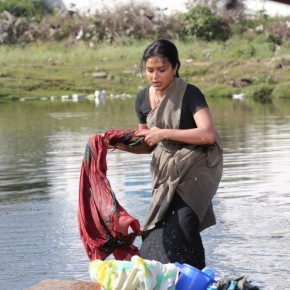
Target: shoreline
{"points": [[54, 71]]}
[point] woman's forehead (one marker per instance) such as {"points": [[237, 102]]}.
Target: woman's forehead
{"points": [[156, 61]]}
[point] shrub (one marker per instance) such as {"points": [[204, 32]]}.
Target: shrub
{"points": [[23, 8], [200, 22], [263, 95], [139, 20]]}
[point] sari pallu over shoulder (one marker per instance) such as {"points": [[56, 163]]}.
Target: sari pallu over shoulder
{"points": [[192, 171], [103, 222]]}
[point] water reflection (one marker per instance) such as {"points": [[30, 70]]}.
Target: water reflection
{"points": [[42, 144]]}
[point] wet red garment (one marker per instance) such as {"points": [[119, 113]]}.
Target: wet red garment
{"points": [[103, 222]]}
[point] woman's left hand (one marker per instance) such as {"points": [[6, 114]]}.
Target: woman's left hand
{"points": [[152, 136]]}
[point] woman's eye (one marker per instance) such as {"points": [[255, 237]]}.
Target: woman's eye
{"points": [[161, 70]]}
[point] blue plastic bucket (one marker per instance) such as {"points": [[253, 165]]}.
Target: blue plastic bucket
{"points": [[192, 278]]}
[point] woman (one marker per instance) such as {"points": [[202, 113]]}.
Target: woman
{"points": [[186, 166]]}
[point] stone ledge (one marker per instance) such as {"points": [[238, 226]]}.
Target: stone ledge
{"points": [[64, 285]]}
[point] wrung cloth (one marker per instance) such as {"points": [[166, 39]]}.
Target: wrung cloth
{"points": [[103, 223]]}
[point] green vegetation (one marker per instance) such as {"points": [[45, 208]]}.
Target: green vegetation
{"points": [[23, 8], [56, 54], [202, 23]]}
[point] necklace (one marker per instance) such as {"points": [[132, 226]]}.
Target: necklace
{"points": [[157, 101]]}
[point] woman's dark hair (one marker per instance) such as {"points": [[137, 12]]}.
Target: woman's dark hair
{"points": [[162, 48]]}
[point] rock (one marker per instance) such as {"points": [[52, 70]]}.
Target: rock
{"points": [[28, 99], [99, 75], [4, 75], [240, 96], [77, 97], [64, 285]]}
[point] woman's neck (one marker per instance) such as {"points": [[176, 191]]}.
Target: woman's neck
{"points": [[160, 94]]}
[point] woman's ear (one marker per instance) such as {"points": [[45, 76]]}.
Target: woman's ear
{"points": [[175, 70]]}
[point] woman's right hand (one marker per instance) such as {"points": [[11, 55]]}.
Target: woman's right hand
{"points": [[107, 143], [121, 146]]}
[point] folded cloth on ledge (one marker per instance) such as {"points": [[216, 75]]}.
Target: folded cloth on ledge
{"points": [[137, 274], [239, 283], [103, 223]]}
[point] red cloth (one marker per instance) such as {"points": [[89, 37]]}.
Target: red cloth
{"points": [[103, 222]]}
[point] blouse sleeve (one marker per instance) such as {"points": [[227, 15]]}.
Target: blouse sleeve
{"points": [[195, 100], [142, 107]]}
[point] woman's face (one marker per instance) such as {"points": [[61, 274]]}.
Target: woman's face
{"points": [[159, 73]]}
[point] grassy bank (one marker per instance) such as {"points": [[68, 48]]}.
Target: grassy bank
{"points": [[253, 67]]}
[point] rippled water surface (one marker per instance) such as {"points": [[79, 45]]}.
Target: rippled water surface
{"points": [[42, 145]]}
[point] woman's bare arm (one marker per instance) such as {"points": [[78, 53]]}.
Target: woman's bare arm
{"points": [[203, 134], [140, 149]]}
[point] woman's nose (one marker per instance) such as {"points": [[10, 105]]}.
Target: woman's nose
{"points": [[155, 75]]}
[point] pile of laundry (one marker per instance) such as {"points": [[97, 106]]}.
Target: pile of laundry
{"points": [[239, 283], [131, 275], [141, 274]]}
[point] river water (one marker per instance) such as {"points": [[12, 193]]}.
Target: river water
{"points": [[42, 145]]}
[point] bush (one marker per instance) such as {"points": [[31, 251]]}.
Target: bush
{"points": [[23, 8], [200, 22], [139, 21], [263, 95]]}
